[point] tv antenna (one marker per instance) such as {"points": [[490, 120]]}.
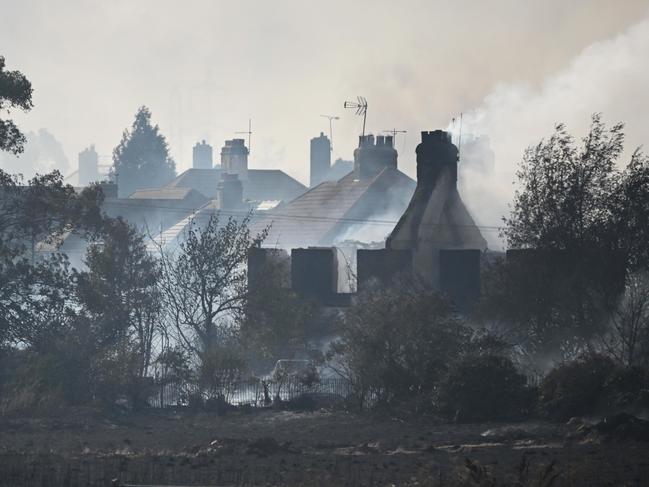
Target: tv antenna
{"points": [[249, 132], [361, 108], [331, 133]]}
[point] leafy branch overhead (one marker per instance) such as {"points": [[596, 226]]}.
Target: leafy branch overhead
{"points": [[15, 92]]}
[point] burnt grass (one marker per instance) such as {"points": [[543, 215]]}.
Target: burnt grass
{"points": [[86, 447]]}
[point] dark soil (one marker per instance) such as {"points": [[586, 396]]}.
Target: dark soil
{"points": [[85, 447]]}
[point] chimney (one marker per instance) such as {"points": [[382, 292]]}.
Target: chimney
{"points": [[370, 158], [202, 156], [88, 166], [435, 154], [230, 192], [320, 159], [234, 158]]}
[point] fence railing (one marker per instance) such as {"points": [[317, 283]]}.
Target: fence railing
{"points": [[254, 392]]}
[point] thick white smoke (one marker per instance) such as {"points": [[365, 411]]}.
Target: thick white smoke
{"points": [[610, 76]]}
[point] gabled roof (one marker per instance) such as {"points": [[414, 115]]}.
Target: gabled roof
{"points": [[162, 193], [262, 184], [329, 210], [202, 180], [271, 184]]}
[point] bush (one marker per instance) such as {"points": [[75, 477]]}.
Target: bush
{"points": [[396, 344], [485, 388], [575, 388], [627, 386]]}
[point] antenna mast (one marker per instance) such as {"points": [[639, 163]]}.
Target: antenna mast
{"points": [[361, 108], [249, 132], [331, 133]]}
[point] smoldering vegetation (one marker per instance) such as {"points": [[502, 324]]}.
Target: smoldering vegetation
{"points": [[559, 337]]}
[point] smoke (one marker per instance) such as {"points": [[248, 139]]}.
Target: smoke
{"points": [[610, 77], [43, 153], [373, 232]]}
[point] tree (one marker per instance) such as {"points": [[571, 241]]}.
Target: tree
{"points": [[631, 210], [119, 291], [35, 294], [36, 302], [572, 223], [204, 282], [141, 160], [628, 338], [15, 92], [44, 209], [274, 320], [565, 197], [396, 344]]}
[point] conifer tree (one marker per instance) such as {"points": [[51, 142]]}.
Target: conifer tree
{"points": [[142, 160]]}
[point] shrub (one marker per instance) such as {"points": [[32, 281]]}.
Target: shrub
{"points": [[626, 386], [396, 344], [485, 388], [575, 388]]}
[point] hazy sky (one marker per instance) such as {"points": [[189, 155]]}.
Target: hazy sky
{"points": [[514, 67]]}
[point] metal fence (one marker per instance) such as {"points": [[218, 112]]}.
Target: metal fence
{"points": [[254, 392]]}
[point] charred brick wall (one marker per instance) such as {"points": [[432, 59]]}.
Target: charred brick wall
{"points": [[381, 266], [314, 272], [459, 275]]}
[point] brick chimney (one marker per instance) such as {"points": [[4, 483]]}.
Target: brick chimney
{"points": [[234, 158], [202, 156], [320, 159], [435, 154], [371, 157], [230, 192]]}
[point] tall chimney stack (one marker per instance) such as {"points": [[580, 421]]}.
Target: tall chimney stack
{"points": [[230, 192], [320, 159], [234, 158], [202, 156]]}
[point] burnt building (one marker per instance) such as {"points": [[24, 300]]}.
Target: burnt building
{"points": [[202, 156], [381, 266], [320, 159], [437, 221], [314, 272]]}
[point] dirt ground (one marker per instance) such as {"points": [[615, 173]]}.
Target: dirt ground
{"points": [[269, 447]]}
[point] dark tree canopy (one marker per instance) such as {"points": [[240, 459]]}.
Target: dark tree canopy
{"points": [[141, 160], [119, 291], [565, 195], [15, 92], [578, 222]]}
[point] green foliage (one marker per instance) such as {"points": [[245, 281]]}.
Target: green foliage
{"points": [[564, 199], [141, 160], [35, 299], [15, 92], [575, 388], [581, 219], [220, 368], [119, 291], [398, 343], [275, 321], [485, 388], [552, 303], [44, 209], [631, 211]]}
